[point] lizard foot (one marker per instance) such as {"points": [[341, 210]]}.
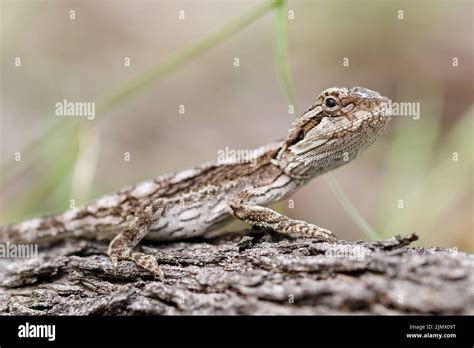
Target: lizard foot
{"points": [[148, 263], [143, 261]]}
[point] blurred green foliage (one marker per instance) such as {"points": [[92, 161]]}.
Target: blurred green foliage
{"points": [[50, 143]]}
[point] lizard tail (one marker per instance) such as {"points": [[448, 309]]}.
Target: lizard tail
{"points": [[39, 230]]}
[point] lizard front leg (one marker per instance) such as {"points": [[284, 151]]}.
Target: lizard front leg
{"points": [[136, 226], [267, 218]]}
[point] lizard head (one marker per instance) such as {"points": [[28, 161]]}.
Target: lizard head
{"points": [[339, 125]]}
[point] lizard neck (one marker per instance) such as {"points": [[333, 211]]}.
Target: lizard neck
{"points": [[286, 161]]}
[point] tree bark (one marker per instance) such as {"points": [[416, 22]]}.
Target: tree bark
{"points": [[258, 274]]}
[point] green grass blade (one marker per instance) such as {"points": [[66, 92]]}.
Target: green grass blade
{"points": [[86, 163], [363, 226], [281, 50], [54, 171], [174, 61]]}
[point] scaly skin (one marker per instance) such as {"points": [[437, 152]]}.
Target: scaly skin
{"points": [[339, 125]]}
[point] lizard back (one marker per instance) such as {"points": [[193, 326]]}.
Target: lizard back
{"points": [[196, 202]]}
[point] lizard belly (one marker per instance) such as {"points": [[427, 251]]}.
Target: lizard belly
{"points": [[193, 221], [182, 221]]}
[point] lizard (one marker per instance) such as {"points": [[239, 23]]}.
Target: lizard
{"points": [[338, 126]]}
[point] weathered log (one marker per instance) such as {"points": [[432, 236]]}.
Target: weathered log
{"points": [[261, 274]]}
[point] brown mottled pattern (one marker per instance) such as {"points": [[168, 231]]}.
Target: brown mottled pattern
{"points": [[339, 125]]}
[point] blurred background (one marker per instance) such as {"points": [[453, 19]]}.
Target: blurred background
{"points": [[175, 81]]}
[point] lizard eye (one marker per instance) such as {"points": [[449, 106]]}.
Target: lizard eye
{"points": [[330, 103]]}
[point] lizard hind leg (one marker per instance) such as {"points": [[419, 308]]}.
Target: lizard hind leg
{"points": [[132, 231]]}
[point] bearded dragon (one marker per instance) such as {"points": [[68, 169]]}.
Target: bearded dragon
{"points": [[339, 125]]}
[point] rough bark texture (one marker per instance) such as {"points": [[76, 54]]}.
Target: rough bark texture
{"points": [[257, 275]]}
